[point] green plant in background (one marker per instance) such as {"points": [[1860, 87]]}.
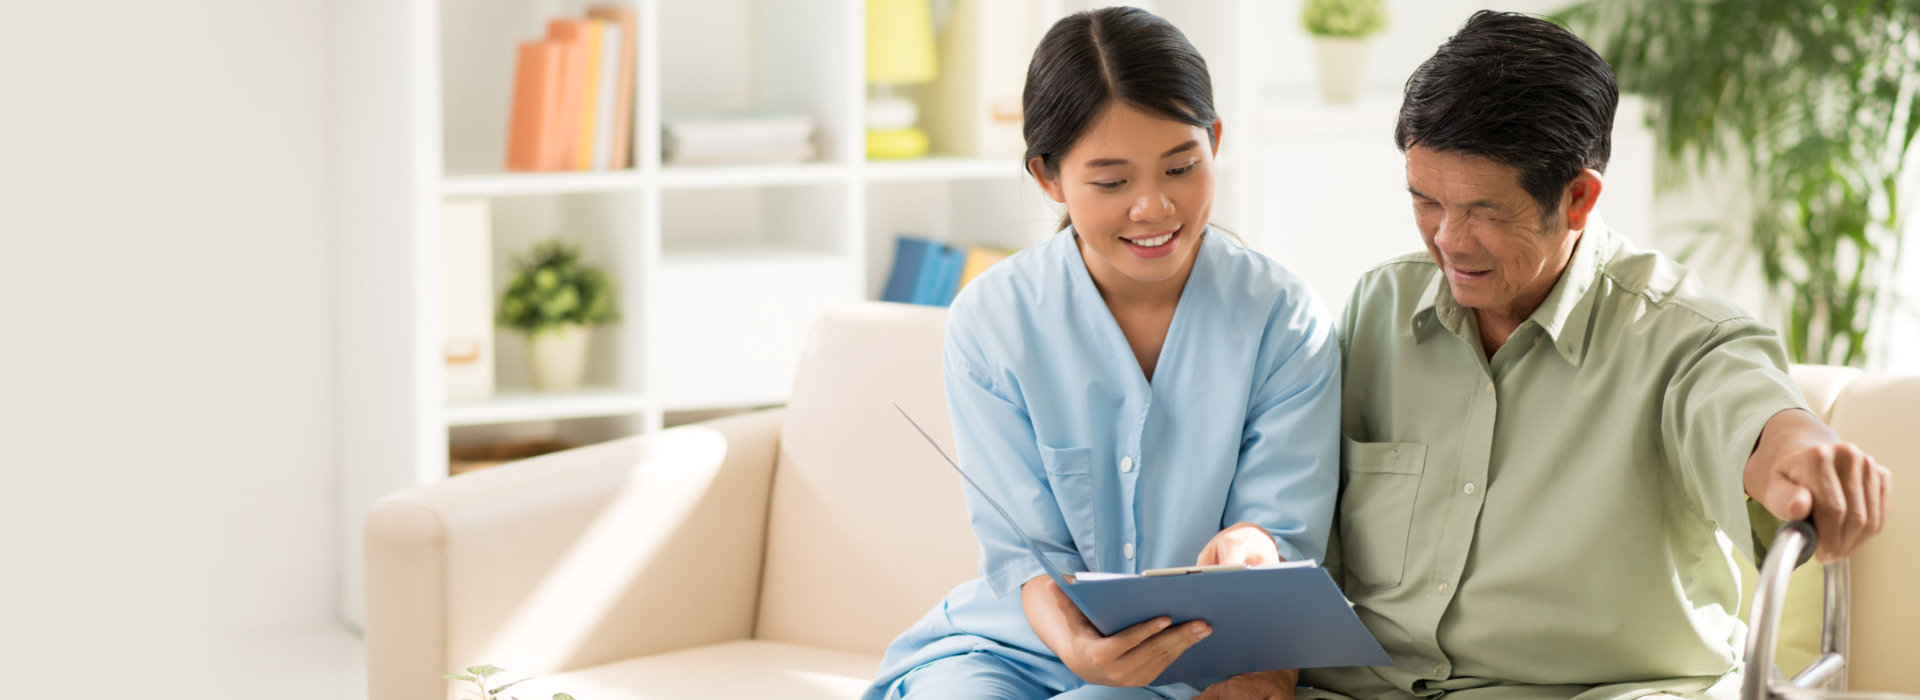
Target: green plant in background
{"points": [[1816, 105], [1344, 18], [551, 289], [478, 675]]}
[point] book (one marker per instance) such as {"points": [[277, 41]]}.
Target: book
{"points": [[620, 151], [571, 34], [949, 283], [933, 268], [533, 134], [604, 95], [466, 290], [593, 35], [1264, 618], [908, 254], [978, 260]]}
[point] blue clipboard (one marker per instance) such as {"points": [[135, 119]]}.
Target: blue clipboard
{"points": [[1264, 618]]}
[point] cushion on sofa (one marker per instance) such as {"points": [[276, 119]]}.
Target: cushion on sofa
{"points": [[742, 669]]}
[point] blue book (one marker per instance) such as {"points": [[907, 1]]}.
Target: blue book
{"points": [[932, 267], [1264, 618], [951, 265], [909, 255]]}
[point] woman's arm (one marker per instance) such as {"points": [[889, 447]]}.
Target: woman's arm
{"points": [[1288, 477]]}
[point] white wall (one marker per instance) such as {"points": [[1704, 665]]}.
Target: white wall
{"points": [[166, 359]]}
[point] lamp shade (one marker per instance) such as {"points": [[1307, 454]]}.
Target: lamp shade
{"points": [[899, 42]]}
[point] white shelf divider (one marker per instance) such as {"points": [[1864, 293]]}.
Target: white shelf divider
{"points": [[526, 406]]}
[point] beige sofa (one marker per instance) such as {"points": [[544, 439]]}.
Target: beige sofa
{"points": [[775, 554]]}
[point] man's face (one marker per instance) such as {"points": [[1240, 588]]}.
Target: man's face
{"points": [[1486, 232]]}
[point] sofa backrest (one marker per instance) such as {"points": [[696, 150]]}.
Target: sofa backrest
{"points": [[867, 528]]}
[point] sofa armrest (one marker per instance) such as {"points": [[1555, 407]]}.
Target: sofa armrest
{"points": [[573, 559]]}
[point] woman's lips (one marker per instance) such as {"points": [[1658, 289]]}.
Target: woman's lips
{"points": [[1156, 251]]}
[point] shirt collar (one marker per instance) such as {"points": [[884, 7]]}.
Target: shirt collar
{"points": [[1565, 314]]}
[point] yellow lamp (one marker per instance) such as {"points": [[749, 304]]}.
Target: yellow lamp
{"points": [[899, 52]]}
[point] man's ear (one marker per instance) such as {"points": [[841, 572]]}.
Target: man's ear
{"points": [[1051, 185], [1581, 196]]}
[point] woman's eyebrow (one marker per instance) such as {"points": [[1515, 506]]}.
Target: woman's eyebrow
{"points": [[1104, 162]]}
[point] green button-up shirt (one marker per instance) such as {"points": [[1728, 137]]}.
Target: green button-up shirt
{"points": [[1558, 521]]}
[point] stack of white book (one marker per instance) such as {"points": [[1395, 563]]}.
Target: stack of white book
{"points": [[753, 138]]}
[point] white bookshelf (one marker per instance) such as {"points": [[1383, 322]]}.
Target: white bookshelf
{"points": [[720, 269]]}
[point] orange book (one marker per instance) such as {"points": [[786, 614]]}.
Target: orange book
{"points": [[572, 34], [533, 136], [627, 19], [589, 97]]}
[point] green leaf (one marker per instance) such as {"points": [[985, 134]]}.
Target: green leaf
{"points": [[562, 696], [484, 671], [458, 677]]}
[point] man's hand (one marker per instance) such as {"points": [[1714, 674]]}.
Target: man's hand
{"points": [[1243, 543], [1131, 657], [1265, 685], [1801, 469]]}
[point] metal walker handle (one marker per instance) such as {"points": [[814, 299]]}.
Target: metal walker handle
{"points": [[1825, 678]]}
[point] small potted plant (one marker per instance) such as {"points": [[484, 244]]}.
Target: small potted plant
{"points": [[1340, 30], [556, 301], [478, 675]]}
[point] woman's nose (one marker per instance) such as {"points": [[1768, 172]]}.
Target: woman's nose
{"points": [[1152, 206]]}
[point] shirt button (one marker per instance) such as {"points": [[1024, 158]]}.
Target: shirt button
{"points": [[1439, 670], [1127, 550], [1126, 464], [1489, 388], [1469, 489], [1441, 587]]}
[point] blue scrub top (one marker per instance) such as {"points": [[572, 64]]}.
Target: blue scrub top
{"points": [[1109, 472]]}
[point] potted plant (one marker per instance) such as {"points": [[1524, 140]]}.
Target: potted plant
{"points": [[479, 675], [556, 301], [1340, 29], [1815, 113]]}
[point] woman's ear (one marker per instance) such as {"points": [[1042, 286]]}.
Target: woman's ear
{"points": [[1216, 137], [1037, 167]]}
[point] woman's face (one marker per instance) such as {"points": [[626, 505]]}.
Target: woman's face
{"points": [[1139, 189]]}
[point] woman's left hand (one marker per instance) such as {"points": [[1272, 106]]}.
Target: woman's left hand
{"points": [[1243, 543]]}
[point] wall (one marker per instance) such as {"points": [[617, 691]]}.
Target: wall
{"points": [[166, 363]]}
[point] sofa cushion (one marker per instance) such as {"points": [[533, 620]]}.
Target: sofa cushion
{"points": [[743, 669], [867, 528]]}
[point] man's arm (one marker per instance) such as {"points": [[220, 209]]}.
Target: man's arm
{"points": [[1800, 468]]}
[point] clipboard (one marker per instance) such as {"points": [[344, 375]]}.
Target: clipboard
{"points": [[1264, 618]]}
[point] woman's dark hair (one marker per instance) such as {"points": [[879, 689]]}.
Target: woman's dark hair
{"points": [[1521, 91], [1092, 59]]}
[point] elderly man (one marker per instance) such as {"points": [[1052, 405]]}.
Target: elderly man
{"points": [[1553, 435]]}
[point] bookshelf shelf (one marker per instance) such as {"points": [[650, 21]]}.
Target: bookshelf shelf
{"points": [[943, 168], [509, 184], [687, 177], [527, 406], [721, 269]]}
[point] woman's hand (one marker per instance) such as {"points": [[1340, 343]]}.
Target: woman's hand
{"points": [[1243, 543], [1131, 657]]}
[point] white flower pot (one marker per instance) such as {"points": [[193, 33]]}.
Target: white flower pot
{"points": [[558, 357], [1343, 67]]}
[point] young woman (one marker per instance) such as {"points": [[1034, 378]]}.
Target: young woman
{"points": [[1139, 390]]}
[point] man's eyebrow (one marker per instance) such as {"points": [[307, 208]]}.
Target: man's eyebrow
{"points": [[1475, 204], [1104, 162]]}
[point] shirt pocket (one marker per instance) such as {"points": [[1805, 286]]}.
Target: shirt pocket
{"points": [[1070, 476], [1376, 508]]}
